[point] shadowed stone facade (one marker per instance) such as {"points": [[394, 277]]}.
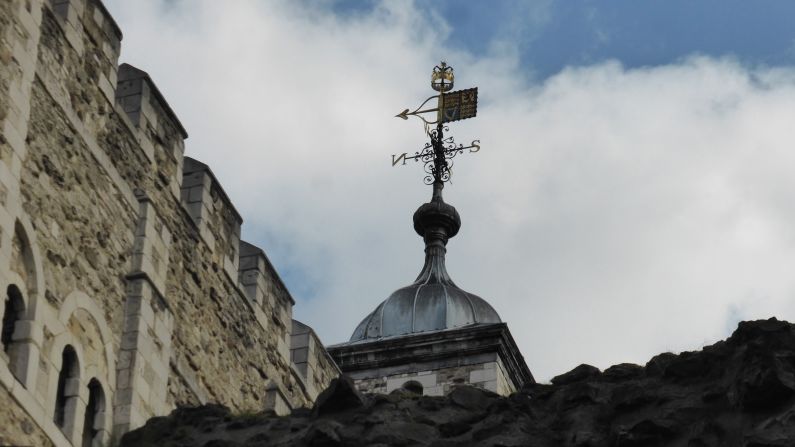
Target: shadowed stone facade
{"points": [[128, 291]]}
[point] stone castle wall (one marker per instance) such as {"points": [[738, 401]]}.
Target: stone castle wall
{"points": [[128, 289]]}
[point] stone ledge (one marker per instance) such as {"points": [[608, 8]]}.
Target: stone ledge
{"points": [[435, 349]]}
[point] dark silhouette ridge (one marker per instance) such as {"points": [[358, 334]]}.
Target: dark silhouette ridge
{"points": [[737, 392]]}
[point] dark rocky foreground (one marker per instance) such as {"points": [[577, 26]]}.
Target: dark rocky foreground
{"points": [[737, 392]]}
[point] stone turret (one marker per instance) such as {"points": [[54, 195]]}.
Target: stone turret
{"points": [[431, 335]]}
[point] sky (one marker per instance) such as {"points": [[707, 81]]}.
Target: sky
{"points": [[633, 193]]}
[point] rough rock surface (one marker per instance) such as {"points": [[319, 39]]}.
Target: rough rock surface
{"points": [[737, 392]]}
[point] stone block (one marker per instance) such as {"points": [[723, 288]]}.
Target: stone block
{"points": [[122, 397], [27, 63], [129, 104], [30, 21], [147, 316], [129, 340], [283, 348], [99, 18], [482, 375], [14, 138], [109, 51], [18, 94], [124, 359], [121, 415], [230, 266], [302, 369], [299, 355], [197, 193], [6, 378], [250, 263], [74, 33], [107, 88], [142, 388], [276, 402], [194, 179], [123, 379], [197, 211]]}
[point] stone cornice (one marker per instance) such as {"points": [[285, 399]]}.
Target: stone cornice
{"points": [[435, 346]]}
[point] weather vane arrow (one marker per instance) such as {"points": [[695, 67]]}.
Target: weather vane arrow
{"points": [[437, 155]]}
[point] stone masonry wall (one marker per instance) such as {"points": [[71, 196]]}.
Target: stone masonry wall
{"points": [[490, 376], [127, 291]]}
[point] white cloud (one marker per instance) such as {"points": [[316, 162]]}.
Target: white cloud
{"points": [[611, 214]]}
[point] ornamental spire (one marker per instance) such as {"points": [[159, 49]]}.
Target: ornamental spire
{"points": [[437, 221]]}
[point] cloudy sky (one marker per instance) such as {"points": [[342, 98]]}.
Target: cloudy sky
{"points": [[634, 193]]}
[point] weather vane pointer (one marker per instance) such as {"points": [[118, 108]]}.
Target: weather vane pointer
{"points": [[437, 155]]}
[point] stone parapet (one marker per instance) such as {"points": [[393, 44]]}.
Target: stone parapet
{"points": [[268, 294], [313, 363], [88, 20], [92, 18], [160, 133], [212, 211], [80, 51]]}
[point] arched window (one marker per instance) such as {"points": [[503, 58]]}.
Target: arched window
{"points": [[95, 413], [413, 386], [68, 388], [14, 311]]}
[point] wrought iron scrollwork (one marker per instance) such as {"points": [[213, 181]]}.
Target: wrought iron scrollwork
{"points": [[437, 155]]}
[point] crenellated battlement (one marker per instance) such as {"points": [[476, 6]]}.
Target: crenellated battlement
{"points": [[129, 288], [310, 359], [87, 58], [92, 17], [145, 105], [268, 293], [212, 211], [159, 131]]}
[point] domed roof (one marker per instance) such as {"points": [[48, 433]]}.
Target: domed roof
{"points": [[433, 302]]}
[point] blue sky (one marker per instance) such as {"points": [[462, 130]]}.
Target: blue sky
{"points": [[633, 193], [551, 35]]}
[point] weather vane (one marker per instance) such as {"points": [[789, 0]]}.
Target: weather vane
{"points": [[437, 155]]}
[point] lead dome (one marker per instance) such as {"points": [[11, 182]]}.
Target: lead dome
{"points": [[433, 301]]}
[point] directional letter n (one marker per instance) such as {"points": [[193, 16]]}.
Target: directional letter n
{"points": [[397, 158]]}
